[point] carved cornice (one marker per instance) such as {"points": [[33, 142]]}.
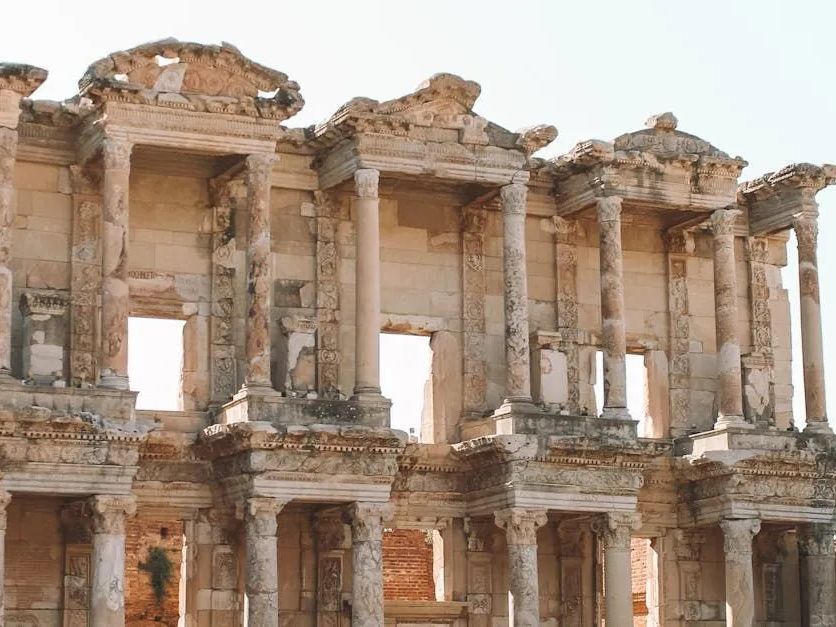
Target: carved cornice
{"points": [[20, 78]]}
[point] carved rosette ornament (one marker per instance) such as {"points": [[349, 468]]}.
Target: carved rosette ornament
{"points": [[517, 358], [259, 280], [613, 334]]}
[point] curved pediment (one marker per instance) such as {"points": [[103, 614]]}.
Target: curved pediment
{"points": [[193, 76], [441, 94], [661, 138]]}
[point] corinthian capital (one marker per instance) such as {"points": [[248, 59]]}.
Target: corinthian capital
{"points": [[609, 208], [723, 220], [738, 534], [806, 234], [367, 520], [616, 529], [260, 515], [520, 524], [366, 182], [513, 198], [5, 499], [108, 513], [816, 539], [116, 153]]}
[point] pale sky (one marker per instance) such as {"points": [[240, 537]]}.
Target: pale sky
{"points": [[755, 78]]}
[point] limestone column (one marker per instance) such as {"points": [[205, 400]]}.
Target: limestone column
{"points": [[367, 562], [115, 184], [5, 499], [729, 385], [261, 576], [8, 152], [517, 357], [367, 285], [812, 353], [817, 574], [613, 334], [259, 279], [615, 532], [108, 514], [740, 591], [521, 527]]}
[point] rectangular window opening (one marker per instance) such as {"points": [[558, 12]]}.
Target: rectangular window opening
{"points": [[637, 390], [155, 362], [405, 379]]}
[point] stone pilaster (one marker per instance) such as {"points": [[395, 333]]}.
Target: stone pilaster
{"points": [[517, 353], [740, 590], [85, 277], [817, 574], [259, 275], [615, 532], [812, 351], [473, 222], [108, 514], [222, 344], [331, 541], [729, 389], [679, 245], [367, 285], [261, 566], [115, 186], [5, 499], [327, 297], [566, 271], [8, 153], [613, 334], [367, 562], [521, 527], [757, 366]]}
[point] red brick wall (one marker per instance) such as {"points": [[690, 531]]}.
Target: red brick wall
{"points": [[638, 552], [141, 607], [407, 566]]}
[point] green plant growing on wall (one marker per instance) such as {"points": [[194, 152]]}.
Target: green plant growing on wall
{"points": [[158, 567]]}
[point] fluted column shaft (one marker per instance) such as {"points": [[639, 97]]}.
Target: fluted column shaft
{"points": [[615, 533], [521, 527], [740, 589], [729, 390], [613, 333], [259, 279], [8, 153], [367, 562], [115, 187], [812, 348], [261, 577], [367, 284], [818, 574], [517, 357], [108, 515], [5, 499]]}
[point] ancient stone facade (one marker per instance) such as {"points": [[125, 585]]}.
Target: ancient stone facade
{"points": [[173, 185]]}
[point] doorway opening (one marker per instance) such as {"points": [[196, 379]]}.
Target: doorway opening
{"points": [[404, 376], [155, 362]]}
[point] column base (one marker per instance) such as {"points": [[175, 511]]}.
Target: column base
{"points": [[256, 389], [616, 413], [819, 426], [735, 422], [7, 380], [367, 394], [114, 382], [517, 405]]}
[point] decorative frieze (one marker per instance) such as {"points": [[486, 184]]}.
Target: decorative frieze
{"points": [[328, 356], [473, 223], [566, 272]]}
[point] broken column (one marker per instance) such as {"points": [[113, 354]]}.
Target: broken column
{"points": [[812, 351], [615, 531], [729, 386], [16, 82], [367, 562], [116, 181], [517, 364], [521, 527], [261, 566], [108, 513], [817, 574], [44, 337], [613, 335], [740, 589], [259, 280], [367, 285]]}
